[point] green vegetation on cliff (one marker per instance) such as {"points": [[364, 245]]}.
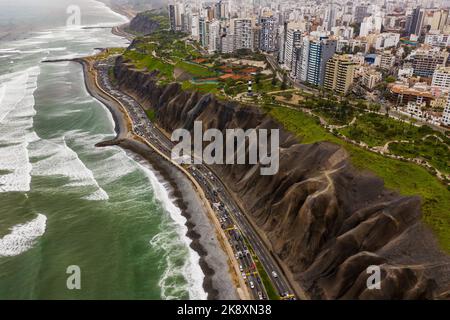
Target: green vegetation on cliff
{"points": [[404, 177]]}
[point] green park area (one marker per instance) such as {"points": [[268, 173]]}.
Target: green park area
{"points": [[404, 138]]}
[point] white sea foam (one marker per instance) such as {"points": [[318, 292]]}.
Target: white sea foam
{"points": [[23, 236], [61, 160], [191, 269], [16, 128], [14, 159], [2, 93], [99, 195]]}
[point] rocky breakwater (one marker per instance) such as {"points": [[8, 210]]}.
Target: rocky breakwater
{"points": [[325, 221]]}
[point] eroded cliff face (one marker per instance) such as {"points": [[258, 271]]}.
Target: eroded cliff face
{"points": [[325, 221]]}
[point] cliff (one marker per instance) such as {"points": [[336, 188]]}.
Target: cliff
{"points": [[143, 23], [325, 221]]}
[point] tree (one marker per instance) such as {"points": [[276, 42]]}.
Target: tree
{"points": [[274, 80], [406, 51], [390, 79], [258, 78], [284, 83]]}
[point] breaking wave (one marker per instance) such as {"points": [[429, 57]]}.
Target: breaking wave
{"points": [[23, 236]]}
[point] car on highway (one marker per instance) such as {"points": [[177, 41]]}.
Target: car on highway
{"points": [[274, 274], [252, 285]]}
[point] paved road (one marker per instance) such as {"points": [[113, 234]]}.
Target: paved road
{"points": [[242, 236]]}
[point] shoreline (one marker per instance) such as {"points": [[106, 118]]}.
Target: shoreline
{"points": [[215, 264], [221, 276]]}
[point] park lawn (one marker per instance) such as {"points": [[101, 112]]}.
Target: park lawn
{"points": [[263, 86], [150, 63], [201, 87], [430, 149], [182, 51], [406, 178], [307, 128], [375, 130], [195, 70]]}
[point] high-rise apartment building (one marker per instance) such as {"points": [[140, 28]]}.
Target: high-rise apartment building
{"points": [[195, 27], [172, 17], [214, 36], [339, 74], [320, 51], [360, 13], [302, 60], [268, 36], [330, 17], [415, 22], [243, 33], [203, 27], [293, 41]]}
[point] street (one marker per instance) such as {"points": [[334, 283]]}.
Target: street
{"points": [[241, 235]]}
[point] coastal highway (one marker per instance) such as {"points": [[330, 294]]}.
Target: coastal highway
{"points": [[240, 232]]}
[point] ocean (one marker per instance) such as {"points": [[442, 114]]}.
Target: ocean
{"points": [[64, 202]]}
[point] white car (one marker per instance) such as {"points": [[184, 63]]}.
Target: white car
{"points": [[244, 276], [241, 268], [252, 285], [275, 275]]}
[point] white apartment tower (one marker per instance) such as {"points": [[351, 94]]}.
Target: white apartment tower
{"points": [[293, 40], [214, 36]]}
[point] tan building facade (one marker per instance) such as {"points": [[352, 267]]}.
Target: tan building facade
{"points": [[339, 74]]}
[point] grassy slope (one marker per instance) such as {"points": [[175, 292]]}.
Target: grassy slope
{"points": [[407, 178], [195, 69]]}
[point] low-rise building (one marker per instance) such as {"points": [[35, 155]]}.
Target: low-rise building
{"points": [[371, 78], [387, 60], [446, 114], [386, 40], [441, 78], [437, 40], [415, 108], [419, 92], [425, 60], [405, 73]]}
